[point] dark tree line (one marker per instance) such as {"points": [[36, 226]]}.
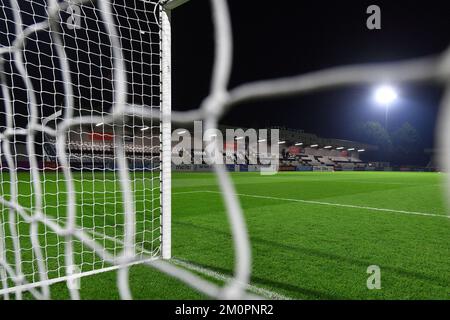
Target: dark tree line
{"points": [[401, 146]]}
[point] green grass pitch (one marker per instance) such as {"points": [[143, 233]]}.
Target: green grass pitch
{"points": [[313, 235]]}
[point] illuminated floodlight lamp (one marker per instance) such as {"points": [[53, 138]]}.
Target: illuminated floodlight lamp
{"points": [[299, 144], [314, 145], [340, 148], [99, 124], [145, 128], [327, 147], [281, 142], [351, 149], [361, 150], [385, 95]]}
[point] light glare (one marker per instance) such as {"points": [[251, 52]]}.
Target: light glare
{"points": [[385, 95]]}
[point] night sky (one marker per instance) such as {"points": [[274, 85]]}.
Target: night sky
{"points": [[285, 38]]}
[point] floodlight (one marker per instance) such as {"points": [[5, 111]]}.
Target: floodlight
{"points": [[340, 148], [299, 144], [327, 147], [385, 95], [314, 145], [281, 142], [351, 149], [99, 124]]}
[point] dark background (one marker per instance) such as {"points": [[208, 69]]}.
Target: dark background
{"points": [[285, 38]]}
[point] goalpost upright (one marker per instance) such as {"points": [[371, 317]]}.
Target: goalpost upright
{"points": [[166, 107], [166, 129]]}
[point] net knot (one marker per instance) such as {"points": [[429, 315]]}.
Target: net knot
{"points": [[214, 104]]}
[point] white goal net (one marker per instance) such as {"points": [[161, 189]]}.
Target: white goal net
{"points": [[79, 176], [85, 139]]}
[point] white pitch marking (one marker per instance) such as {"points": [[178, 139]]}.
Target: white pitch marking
{"points": [[338, 205], [221, 277], [207, 272], [185, 192]]}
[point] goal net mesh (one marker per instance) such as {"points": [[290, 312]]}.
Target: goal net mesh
{"points": [[81, 122], [59, 65]]}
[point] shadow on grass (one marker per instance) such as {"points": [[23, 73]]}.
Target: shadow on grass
{"points": [[317, 253], [266, 283]]}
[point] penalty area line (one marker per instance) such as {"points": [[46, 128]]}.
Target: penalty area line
{"points": [[337, 205]]}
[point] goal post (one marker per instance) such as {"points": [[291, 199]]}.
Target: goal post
{"points": [[166, 128]]}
